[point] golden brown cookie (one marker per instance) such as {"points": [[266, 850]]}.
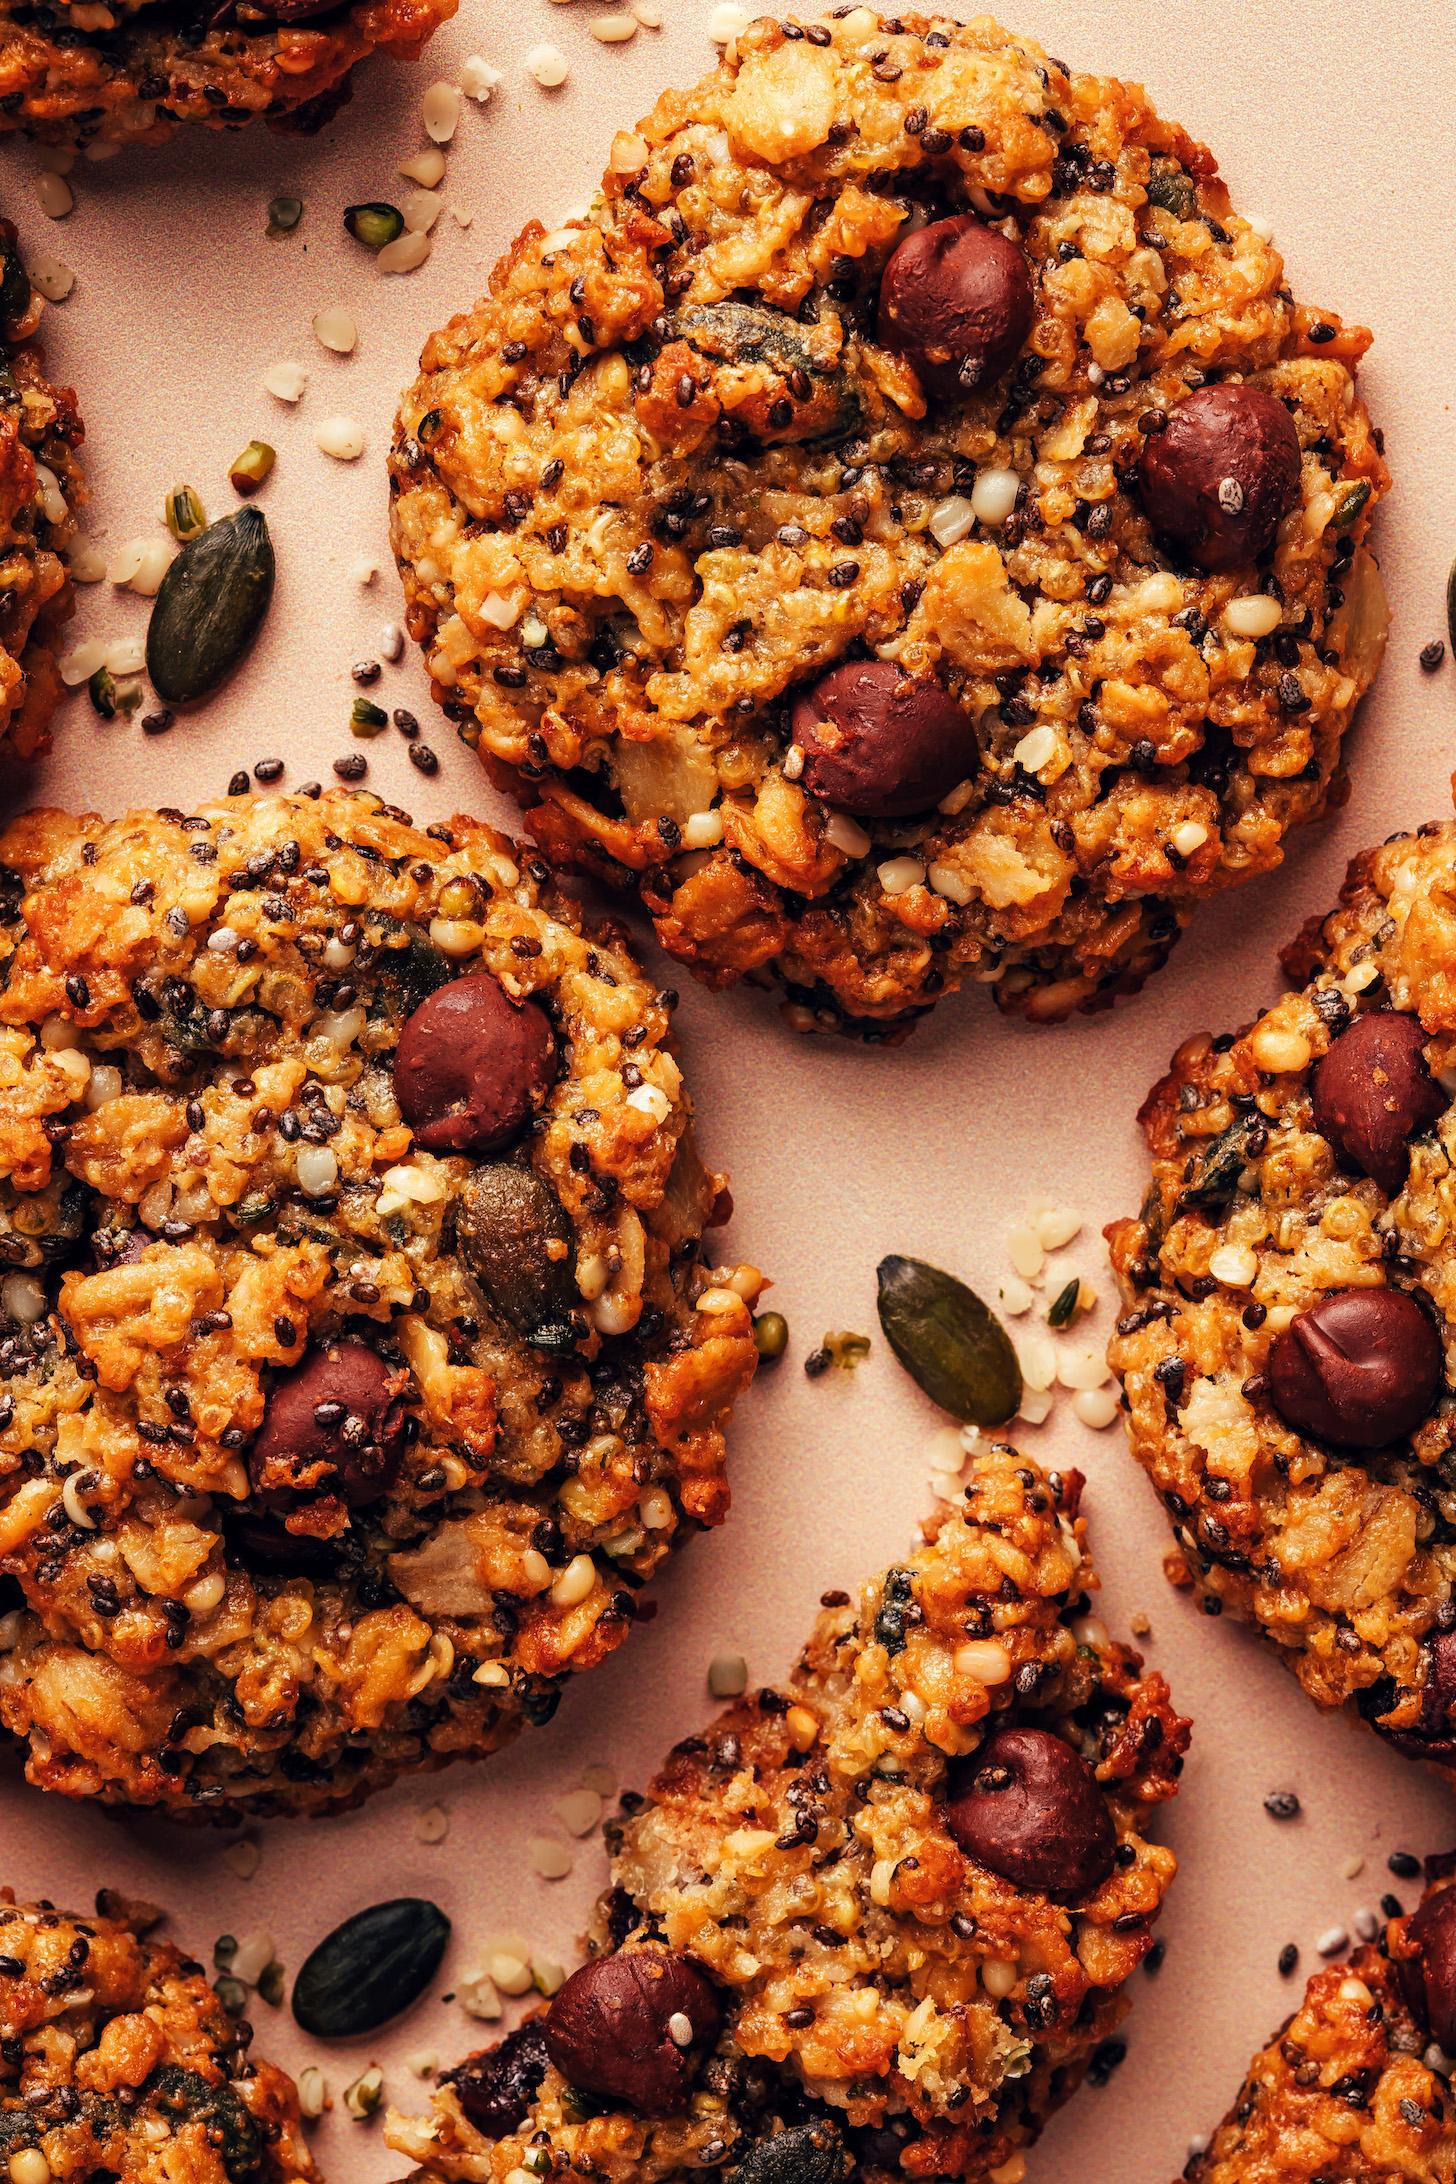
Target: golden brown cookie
{"points": [[907, 529]]}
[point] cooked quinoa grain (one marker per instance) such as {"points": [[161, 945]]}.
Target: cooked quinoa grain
{"points": [[41, 488], [1295, 1416], [877, 1922], [359, 1362], [118, 2061], [1345, 2093], [898, 604], [132, 71]]}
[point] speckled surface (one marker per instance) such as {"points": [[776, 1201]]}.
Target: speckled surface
{"points": [[838, 1155]]}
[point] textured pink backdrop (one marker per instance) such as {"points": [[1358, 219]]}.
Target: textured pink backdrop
{"points": [[1335, 123]]}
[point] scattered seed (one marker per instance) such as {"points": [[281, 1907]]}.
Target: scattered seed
{"points": [[249, 469], [949, 1342], [285, 380], [268, 770], [1332, 1941], [614, 28], [183, 514], [478, 79], [1404, 1866], [352, 766], [340, 437], [54, 195], [157, 724], [423, 759], [373, 225], [210, 607], [1431, 655], [237, 784], [54, 280], [433, 1824], [551, 1860], [727, 1675], [426, 168], [440, 112], [1282, 1805], [405, 254], [284, 214], [770, 1336], [1288, 1959], [422, 209], [366, 718], [546, 65], [370, 1968], [335, 329], [391, 641], [406, 723]]}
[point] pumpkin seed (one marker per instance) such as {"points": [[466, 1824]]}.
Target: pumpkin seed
{"points": [[284, 214], [1171, 189], [951, 1345], [808, 2153], [366, 718], [507, 1218], [371, 1968], [374, 224], [1216, 1170], [101, 690], [210, 606]]}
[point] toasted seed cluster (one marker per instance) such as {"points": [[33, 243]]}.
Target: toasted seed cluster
{"points": [[904, 2006], [41, 488], [1344, 1558], [665, 474], [133, 71], [1343, 2093], [205, 1180], [118, 2061]]}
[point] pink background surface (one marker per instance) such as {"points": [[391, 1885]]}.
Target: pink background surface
{"points": [[1332, 121]]}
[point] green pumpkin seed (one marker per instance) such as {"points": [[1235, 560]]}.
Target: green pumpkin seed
{"points": [[374, 224], [1171, 189], [101, 690], [948, 1342], [210, 607], [366, 718], [1214, 1176], [371, 1968], [251, 467]]}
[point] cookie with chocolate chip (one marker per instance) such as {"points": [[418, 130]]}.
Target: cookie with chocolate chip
{"points": [[361, 1359], [134, 71], [118, 2061], [1348, 2090], [41, 488], [874, 1923], [908, 531], [1289, 1290]]}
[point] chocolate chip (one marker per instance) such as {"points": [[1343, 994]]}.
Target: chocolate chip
{"points": [[496, 2088], [956, 299], [612, 2030], [881, 743], [1429, 1978], [1030, 1808], [1373, 1093], [1361, 1368], [471, 1066], [334, 1427], [1221, 475], [1433, 1736]]}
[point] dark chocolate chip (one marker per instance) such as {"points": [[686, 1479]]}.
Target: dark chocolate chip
{"points": [[496, 2088], [1429, 1978], [333, 1426], [1220, 476], [1373, 1093], [1030, 1808], [956, 299], [881, 743], [1361, 1368], [611, 2030], [472, 1066]]}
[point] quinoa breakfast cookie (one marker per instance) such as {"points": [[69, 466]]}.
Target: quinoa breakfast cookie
{"points": [[877, 1923], [359, 1362], [40, 489], [1347, 2091], [906, 528], [118, 2062], [131, 71], [1288, 1290]]}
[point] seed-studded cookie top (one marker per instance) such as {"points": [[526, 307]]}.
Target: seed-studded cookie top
{"points": [[117, 2060], [1346, 2092], [132, 71], [908, 527], [359, 1365], [1288, 1288], [40, 489], [877, 1922]]}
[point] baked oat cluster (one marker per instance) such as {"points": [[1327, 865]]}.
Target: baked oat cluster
{"points": [[360, 1365], [118, 2062], [132, 71], [1288, 1290], [41, 488], [876, 1923], [1346, 2092], [907, 528]]}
